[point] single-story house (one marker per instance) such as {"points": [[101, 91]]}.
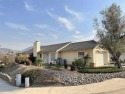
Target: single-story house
{"points": [[71, 51]]}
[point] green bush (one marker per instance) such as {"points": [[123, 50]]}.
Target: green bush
{"points": [[103, 67], [39, 61], [32, 74], [100, 70], [78, 63], [65, 64], [72, 68], [2, 68], [123, 62]]}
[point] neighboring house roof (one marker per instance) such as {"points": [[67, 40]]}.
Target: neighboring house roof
{"points": [[80, 46], [53, 48], [28, 51]]}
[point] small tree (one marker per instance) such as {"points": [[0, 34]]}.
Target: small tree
{"points": [[81, 63], [111, 33], [78, 63], [86, 59], [39, 61]]}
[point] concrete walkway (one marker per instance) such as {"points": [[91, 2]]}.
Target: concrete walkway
{"points": [[114, 86]]}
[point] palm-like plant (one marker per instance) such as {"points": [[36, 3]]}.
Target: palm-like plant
{"points": [[86, 59], [39, 61]]}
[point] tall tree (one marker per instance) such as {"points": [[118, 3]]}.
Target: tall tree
{"points": [[111, 32]]}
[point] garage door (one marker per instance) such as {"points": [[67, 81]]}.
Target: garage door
{"points": [[99, 59]]}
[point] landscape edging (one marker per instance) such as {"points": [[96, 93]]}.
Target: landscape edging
{"points": [[6, 77]]}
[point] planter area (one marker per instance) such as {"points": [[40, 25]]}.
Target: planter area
{"points": [[40, 76], [71, 78]]}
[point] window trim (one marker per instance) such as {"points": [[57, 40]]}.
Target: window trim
{"points": [[81, 55]]}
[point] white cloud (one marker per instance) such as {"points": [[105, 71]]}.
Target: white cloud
{"points": [[41, 34], [29, 7], [77, 32], [42, 26], [46, 27], [54, 35], [74, 13], [80, 37], [16, 26], [52, 15], [66, 23]]}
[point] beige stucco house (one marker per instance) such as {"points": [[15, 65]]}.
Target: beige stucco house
{"points": [[71, 51]]}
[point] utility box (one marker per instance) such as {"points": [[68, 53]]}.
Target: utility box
{"points": [[27, 84], [18, 80]]}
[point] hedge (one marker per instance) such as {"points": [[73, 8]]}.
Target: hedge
{"points": [[100, 70]]}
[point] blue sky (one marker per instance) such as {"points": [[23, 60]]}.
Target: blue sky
{"points": [[49, 21]]}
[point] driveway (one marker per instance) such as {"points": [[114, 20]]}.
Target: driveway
{"points": [[113, 86]]}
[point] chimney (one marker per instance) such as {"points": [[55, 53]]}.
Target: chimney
{"points": [[36, 48]]}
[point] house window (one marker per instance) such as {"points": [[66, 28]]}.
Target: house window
{"points": [[40, 55], [80, 54]]}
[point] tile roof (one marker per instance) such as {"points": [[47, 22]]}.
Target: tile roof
{"points": [[48, 48], [80, 46], [53, 48], [71, 47]]}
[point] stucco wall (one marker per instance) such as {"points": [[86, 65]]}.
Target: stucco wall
{"points": [[45, 57], [48, 57], [72, 55]]}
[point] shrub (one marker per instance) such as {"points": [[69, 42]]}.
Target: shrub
{"points": [[72, 68], [123, 62], [8, 59], [100, 70], [78, 63], [32, 58], [28, 62], [21, 59], [65, 64], [2, 68], [32, 74], [103, 67], [39, 61]]}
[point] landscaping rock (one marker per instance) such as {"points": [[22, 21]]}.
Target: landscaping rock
{"points": [[50, 77], [67, 78]]}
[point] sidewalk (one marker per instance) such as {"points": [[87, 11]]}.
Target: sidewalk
{"points": [[113, 86]]}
